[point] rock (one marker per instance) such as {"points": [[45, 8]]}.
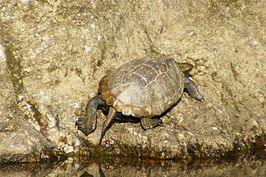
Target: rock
{"points": [[56, 53], [21, 144]]}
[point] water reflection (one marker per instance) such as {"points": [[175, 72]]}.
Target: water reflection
{"points": [[139, 168]]}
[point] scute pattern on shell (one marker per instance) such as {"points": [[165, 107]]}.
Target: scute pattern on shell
{"points": [[143, 87]]}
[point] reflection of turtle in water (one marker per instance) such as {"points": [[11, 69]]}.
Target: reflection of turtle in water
{"points": [[143, 88]]}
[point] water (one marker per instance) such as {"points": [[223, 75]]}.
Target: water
{"points": [[117, 167]]}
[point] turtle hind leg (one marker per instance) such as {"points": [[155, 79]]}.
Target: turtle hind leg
{"points": [[88, 123], [192, 90], [149, 123], [107, 123]]}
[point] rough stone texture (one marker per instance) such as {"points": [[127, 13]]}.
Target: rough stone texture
{"points": [[57, 52], [22, 144], [19, 140]]}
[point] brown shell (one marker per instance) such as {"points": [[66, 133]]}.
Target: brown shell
{"points": [[143, 87]]}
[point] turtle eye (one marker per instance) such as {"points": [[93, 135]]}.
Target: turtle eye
{"points": [[79, 121]]}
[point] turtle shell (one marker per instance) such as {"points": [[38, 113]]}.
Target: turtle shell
{"points": [[143, 87]]}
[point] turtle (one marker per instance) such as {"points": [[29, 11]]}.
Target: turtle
{"points": [[142, 88]]}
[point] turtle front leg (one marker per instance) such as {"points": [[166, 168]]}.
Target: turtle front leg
{"points": [[192, 90], [88, 123], [107, 123], [149, 123]]}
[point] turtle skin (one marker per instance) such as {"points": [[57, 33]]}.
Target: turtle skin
{"points": [[143, 88]]}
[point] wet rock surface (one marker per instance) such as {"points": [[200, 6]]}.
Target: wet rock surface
{"points": [[56, 52]]}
